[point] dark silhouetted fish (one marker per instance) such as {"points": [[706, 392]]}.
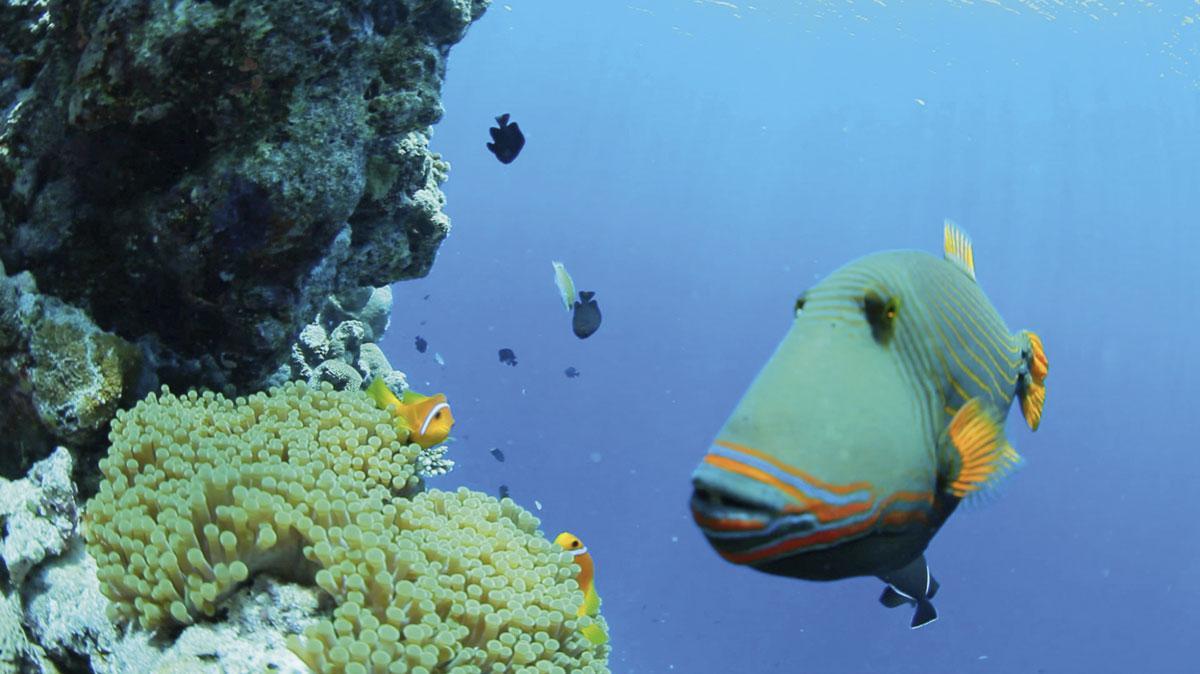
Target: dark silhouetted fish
{"points": [[503, 491], [497, 454], [586, 320], [421, 344], [571, 372], [508, 357], [507, 140]]}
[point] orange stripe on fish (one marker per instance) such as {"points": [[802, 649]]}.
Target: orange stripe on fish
{"points": [[756, 475], [824, 537], [792, 544], [835, 488], [826, 512], [727, 523]]}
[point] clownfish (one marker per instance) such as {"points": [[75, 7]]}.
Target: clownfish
{"points": [[881, 409], [427, 419], [586, 579]]}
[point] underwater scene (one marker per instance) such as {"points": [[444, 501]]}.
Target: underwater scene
{"points": [[465, 336]]}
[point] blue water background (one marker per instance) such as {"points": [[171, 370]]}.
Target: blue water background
{"points": [[698, 166]]}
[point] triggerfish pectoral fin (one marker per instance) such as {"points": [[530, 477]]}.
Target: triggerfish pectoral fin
{"points": [[911, 584], [1033, 389], [983, 454]]}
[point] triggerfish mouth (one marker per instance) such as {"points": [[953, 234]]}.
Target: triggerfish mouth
{"points": [[881, 409]]}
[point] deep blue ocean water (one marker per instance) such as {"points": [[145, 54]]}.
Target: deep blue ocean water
{"points": [[698, 165]]}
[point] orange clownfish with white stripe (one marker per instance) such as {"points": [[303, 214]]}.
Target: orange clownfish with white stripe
{"points": [[587, 582], [426, 419], [881, 409]]}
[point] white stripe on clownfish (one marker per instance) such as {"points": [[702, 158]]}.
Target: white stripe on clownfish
{"points": [[432, 414]]}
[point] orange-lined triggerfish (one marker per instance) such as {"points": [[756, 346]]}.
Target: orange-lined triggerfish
{"points": [[882, 408], [426, 419], [587, 574]]}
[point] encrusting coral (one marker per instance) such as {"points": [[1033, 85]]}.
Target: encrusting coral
{"points": [[201, 492]]}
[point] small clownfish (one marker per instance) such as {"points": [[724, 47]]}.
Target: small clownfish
{"points": [[427, 419], [586, 579]]}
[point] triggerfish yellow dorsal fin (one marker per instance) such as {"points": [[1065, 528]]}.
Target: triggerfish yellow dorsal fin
{"points": [[586, 579], [984, 455], [426, 419], [957, 247], [1033, 391]]}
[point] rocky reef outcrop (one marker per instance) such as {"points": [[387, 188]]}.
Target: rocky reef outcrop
{"points": [[184, 184]]}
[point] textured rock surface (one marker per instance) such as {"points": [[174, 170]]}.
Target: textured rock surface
{"points": [[61, 377], [250, 640], [64, 609], [38, 516], [339, 346], [198, 177], [17, 652]]}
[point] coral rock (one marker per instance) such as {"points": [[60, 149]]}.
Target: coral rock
{"points": [[38, 515]]}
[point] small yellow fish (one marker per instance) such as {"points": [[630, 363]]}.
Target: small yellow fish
{"points": [[566, 286], [586, 578], [426, 419]]}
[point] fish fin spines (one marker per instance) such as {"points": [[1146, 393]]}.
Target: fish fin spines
{"points": [[1033, 393], [957, 248], [984, 456]]}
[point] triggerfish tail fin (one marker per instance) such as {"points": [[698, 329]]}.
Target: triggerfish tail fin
{"points": [[983, 454], [911, 584], [924, 614], [1033, 389], [891, 598], [957, 248]]}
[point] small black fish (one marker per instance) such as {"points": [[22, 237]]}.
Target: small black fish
{"points": [[503, 491], [497, 454], [508, 357], [586, 320], [421, 344], [507, 140], [571, 372], [426, 297]]}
